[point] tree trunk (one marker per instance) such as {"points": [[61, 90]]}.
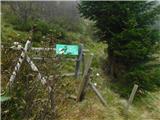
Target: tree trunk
{"points": [[114, 68]]}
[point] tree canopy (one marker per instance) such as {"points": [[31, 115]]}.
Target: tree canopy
{"points": [[128, 29]]}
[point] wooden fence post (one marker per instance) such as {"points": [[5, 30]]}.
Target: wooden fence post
{"points": [[83, 63], [85, 79], [131, 97], [78, 62], [98, 94]]}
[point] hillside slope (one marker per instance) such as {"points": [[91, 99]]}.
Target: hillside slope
{"points": [[90, 108]]}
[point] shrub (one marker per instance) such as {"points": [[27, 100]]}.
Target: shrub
{"points": [[37, 36], [42, 26], [58, 32]]}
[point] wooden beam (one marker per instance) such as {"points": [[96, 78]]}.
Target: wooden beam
{"points": [[130, 100], [98, 94], [42, 49], [64, 75], [79, 59], [52, 58], [68, 74], [50, 49], [39, 48]]}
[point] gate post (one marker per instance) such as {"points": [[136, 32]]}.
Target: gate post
{"points": [[78, 61], [85, 79]]}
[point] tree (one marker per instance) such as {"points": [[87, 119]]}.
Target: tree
{"points": [[22, 10], [23, 14], [127, 28]]}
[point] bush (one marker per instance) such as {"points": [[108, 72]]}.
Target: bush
{"points": [[23, 26], [42, 26], [57, 32], [37, 36]]}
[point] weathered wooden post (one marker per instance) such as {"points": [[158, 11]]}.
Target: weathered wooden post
{"points": [[131, 97], [98, 94], [83, 63], [78, 62], [85, 78]]}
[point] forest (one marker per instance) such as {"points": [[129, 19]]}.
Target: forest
{"points": [[80, 60]]}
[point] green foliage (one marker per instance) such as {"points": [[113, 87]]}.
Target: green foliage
{"points": [[58, 27], [37, 36], [57, 32], [21, 26], [127, 27], [67, 23], [42, 26], [134, 46], [147, 77]]}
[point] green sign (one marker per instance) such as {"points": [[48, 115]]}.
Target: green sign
{"points": [[66, 49]]}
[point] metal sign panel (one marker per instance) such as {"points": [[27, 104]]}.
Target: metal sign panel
{"points": [[66, 49]]}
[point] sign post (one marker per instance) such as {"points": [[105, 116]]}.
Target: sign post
{"points": [[78, 62], [74, 50]]}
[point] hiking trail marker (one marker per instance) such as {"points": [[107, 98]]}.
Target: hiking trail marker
{"points": [[67, 49]]}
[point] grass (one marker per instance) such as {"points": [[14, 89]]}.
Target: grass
{"points": [[9, 35], [91, 108]]}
